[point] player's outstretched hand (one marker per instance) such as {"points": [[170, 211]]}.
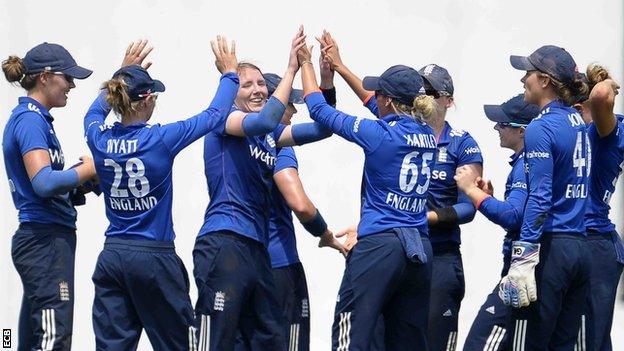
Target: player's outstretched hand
{"points": [[519, 288], [328, 240], [298, 43], [136, 53], [329, 50], [225, 57], [351, 234]]}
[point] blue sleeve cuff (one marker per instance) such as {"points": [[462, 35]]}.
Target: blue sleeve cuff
{"points": [[314, 99], [309, 132], [266, 120], [48, 183]]}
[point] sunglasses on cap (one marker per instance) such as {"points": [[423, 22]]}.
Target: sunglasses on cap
{"points": [[437, 94], [510, 125]]}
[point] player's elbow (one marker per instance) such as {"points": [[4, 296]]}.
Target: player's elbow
{"points": [[303, 210]]}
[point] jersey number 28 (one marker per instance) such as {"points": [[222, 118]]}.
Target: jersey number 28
{"points": [[137, 182]]}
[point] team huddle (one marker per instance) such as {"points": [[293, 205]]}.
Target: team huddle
{"points": [[403, 281]]}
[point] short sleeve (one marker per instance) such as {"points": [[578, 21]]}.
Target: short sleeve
{"points": [[469, 151], [31, 132], [286, 158]]}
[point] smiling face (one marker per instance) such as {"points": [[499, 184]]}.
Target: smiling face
{"points": [[510, 137], [252, 93], [55, 87]]}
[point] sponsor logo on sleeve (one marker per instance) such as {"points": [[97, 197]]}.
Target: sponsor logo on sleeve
{"points": [[473, 150]]}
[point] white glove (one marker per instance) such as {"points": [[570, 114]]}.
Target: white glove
{"points": [[518, 288]]}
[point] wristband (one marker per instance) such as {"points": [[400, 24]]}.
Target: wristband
{"points": [[446, 216], [316, 226]]}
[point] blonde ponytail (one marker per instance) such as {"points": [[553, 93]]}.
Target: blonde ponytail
{"points": [[117, 96], [424, 105]]}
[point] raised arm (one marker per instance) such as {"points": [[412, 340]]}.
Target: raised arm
{"points": [[601, 102], [180, 134], [136, 53], [327, 80], [364, 132], [331, 54], [241, 123]]}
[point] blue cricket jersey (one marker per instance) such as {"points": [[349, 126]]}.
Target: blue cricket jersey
{"points": [[30, 128], [558, 163], [134, 163], [282, 240], [399, 154], [508, 213], [607, 163], [455, 148], [239, 173]]}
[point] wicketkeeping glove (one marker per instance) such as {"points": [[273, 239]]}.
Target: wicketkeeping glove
{"points": [[518, 288]]}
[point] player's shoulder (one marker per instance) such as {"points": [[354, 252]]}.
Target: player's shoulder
{"points": [[458, 135]]}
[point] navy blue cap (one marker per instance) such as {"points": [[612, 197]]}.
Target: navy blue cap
{"points": [[53, 58], [398, 82], [438, 77], [272, 81], [514, 110], [549, 59], [139, 82]]}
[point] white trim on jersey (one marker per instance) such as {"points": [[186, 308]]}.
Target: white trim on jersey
{"points": [[48, 324], [520, 335], [494, 340], [293, 341], [451, 343], [344, 330], [204, 333]]}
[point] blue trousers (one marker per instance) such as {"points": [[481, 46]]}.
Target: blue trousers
{"points": [[447, 292], [292, 295], [605, 276], [236, 293], [142, 284], [562, 275], [43, 255], [379, 280], [490, 329]]}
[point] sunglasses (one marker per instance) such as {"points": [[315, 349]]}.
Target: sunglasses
{"points": [[436, 94], [155, 95], [510, 125], [69, 79]]}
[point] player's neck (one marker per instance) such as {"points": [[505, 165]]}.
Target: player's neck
{"points": [[436, 122], [133, 119]]}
